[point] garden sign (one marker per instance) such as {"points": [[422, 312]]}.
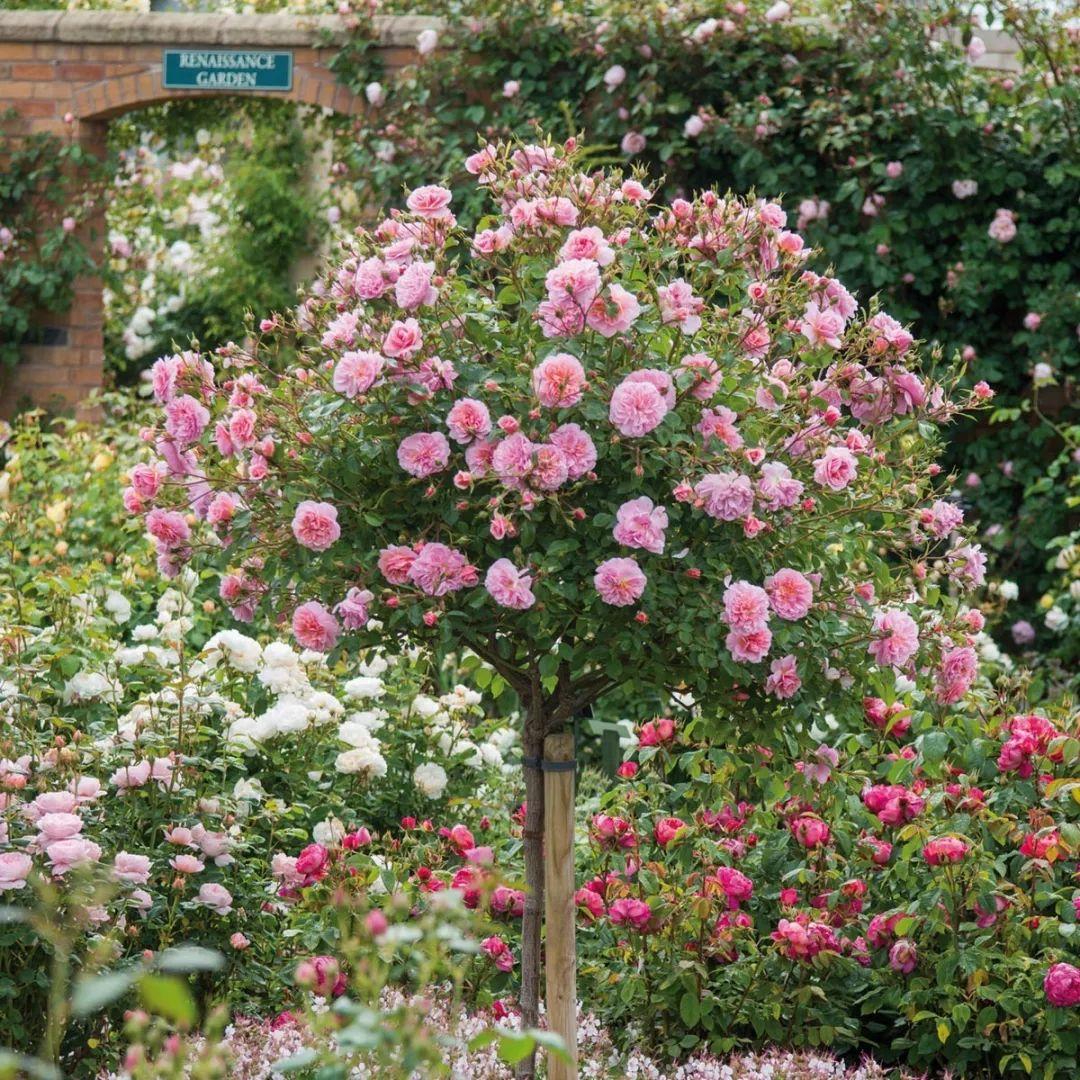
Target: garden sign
{"points": [[226, 69]]}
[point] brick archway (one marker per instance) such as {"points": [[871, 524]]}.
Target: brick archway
{"points": [[99, 65]]}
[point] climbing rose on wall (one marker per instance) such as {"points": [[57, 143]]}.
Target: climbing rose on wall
{"points": [[601, 443]]}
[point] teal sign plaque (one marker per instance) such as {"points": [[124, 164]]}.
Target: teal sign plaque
{"points": [[226, 69]]}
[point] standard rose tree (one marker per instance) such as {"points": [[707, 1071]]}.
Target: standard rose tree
{"points": [[601, 443]]}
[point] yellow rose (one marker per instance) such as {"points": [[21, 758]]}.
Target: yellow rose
{"points": [[57, 513], [102, 460]]}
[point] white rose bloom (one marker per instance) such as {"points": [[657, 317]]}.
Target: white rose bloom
{"points": [[249, 791], [1074, 590], [245, 733], [1008, 590], [503, 738], [461, 697], [324, 706], [424, 706], [988, 648], [903, 684], [145, 632], [280, 654], [287, 715], [328, 832], [491, 754], [364, 761], [236, 649], [372, 719], [426, 41], [118, 606], [430, 779], [364, 687], [91, 686], [316, 659], [374, 666], [131, 655], [357, 735], [1056, 619]]}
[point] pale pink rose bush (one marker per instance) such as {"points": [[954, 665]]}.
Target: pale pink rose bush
{"points": [[591, 428]]}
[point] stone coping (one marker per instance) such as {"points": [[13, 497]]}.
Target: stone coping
{"points": [[195, 28]]}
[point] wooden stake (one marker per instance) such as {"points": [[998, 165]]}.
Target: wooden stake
{"points": [[561, 951]]}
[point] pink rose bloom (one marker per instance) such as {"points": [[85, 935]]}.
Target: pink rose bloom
{"points": [[508, 586], [640, 524], [637, 407], [15, 867], [630, 912], [146, 480], [395, 562], [168, 527], [706, 373], [903, 956], [513, 457], [414, 289], [558, 381], [573, 283], [822, 325], [468, 420], [134, 869], [719, 424], [896, 638], [777, 487], [576, 447], [944, 849], [756, 338], [185, 419], [222, 508], [356, 372], [216, 897], [131, 776], [500, 953], [353, 610], [314, 627], [315, 525], [749, 646], [423, 454], [836, 468], [1003, 227], [50, 802], [1062, 985], [633, 142], [187, 864], [550, 469], [679, 305], [784, 679], [809, 831], [64, 855], [431, 201], [746, 606], [53, 827], [370, 281], [587, 243], [958, 669], [726, 495], [403, 339], [790, 594], [619, 582], [439, 569], [667, 830], [894, 169], [615, 313]]}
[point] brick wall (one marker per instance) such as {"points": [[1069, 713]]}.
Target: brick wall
{"points": [[98, 65]]}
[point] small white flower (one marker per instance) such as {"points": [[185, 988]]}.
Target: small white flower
{"points": [[426, 42], [424, 706], [1008, 590], [364, 687], [118, 606], [430, 780], [1056, 619]]}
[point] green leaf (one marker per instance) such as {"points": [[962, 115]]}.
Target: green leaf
{"points": [[296, 1062], [93, 994], [169, 997], [186, 958]]}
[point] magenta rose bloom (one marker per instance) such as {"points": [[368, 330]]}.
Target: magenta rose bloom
{"points": [[1062, 985]]}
